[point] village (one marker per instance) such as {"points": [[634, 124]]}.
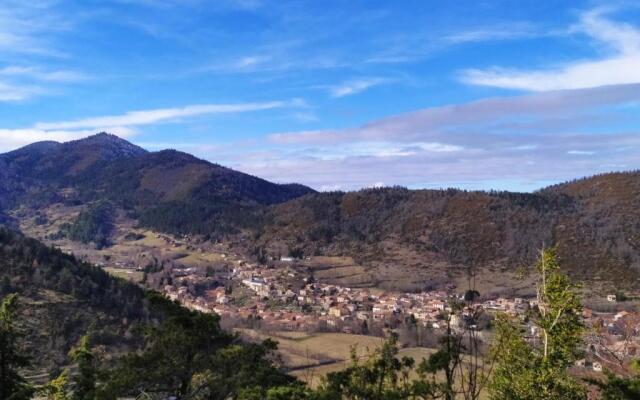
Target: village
{"points": [[285, 297]]}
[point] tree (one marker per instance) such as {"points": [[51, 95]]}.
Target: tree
{"points": [[243, 370], [58, 388], [84, 382], [189, 356], [383, 376], [446, 360], [526, 370], [13, 386], [175, 353], [5, 286]]}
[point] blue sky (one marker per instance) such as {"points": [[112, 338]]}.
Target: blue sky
{"points": [[336, 94]]}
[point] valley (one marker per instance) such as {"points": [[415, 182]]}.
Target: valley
{"points": [[321, 272]]}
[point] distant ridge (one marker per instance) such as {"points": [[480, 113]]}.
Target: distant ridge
{"points": [[168, 189], [408, 239]]}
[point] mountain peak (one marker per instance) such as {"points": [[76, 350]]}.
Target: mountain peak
{"points": [[108, 146]]}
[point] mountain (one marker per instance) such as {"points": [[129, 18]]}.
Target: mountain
{"points": [[167, 190], [62, 299], [407, 238], [36, 171]]}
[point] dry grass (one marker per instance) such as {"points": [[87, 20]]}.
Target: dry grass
{"points": [[342, 271], [312, 356], [128, 274]]}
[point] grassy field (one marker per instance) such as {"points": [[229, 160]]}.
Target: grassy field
{"points": [[128, 274], [312, 356]]}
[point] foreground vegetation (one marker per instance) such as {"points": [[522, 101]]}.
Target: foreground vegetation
{"points": [[171, 351]]}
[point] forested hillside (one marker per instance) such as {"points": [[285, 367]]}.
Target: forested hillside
{"points": [[433, 236], [61, 315], [166, 190], [594, 222], [62, 299]]}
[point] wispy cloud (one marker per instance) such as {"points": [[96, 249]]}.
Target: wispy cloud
{"points": [[355, 86], [19, 83], [622, 66], [13, 138], [524, 139], [27, 27], [11, 93], [162, 115], [44, 75], [494, 33], [501, 114], [125, 125]]}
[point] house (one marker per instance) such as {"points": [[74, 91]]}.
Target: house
{"points": [[581, 363], [258, 285], [620, 315], [612, 298], [597, 367], [339, 311]]}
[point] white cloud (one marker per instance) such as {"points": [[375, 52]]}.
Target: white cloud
{"points": [[163, 115], [43, 75], [435, 124], [622, 66], [14, 138], [123, 125], [538, 138], [495, 33], [11, 92], [28, 27], [355, 86]]}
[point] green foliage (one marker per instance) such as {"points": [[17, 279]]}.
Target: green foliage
{"points": [[558, 315], [525, 371], [189, 355], [85, 381], [375, 379], [34, 266], [618, 388], [13, 385], [58, 388], [94, 301], [92, 226], [384, 376]]}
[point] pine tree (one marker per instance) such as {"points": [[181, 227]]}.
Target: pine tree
{"points": [[12, 384], [85, 382]]}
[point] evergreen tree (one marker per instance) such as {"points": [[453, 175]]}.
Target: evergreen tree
{"points": [[529, 371], [13, 386], [85, 381]]}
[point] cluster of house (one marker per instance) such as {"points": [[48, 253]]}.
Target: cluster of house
{"points": [[612, 340], [283, 299], [286, 299]]}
